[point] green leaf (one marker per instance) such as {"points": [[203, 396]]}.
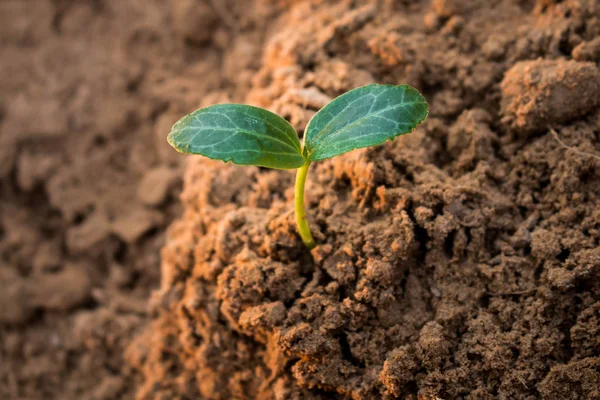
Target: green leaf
{"points": [[363, 117], [238, 133]]}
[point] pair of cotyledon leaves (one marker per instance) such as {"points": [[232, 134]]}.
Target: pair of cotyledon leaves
{"points": [[246, 135]]}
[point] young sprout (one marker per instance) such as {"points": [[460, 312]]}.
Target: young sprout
{"points": [[246, 135]]}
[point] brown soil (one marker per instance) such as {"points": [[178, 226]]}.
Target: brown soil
{"points": [[461, 261]]}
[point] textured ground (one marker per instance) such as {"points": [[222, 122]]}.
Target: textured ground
{"points": [[461, 261]]}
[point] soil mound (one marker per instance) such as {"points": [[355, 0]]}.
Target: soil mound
{"points": [[461, 261]]}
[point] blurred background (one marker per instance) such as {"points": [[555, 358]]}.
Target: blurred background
{"points": [[88, 183]]}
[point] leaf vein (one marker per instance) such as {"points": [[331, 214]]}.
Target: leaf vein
{"points": [[235, 131], [345, 128]]}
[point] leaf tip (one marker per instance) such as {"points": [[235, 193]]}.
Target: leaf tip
{"points": [[171, 139], [174, 142]]}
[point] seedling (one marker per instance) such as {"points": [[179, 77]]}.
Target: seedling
{"points": [[246, 135]]}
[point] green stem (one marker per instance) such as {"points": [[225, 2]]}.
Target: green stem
{"points": [[303, 228]]}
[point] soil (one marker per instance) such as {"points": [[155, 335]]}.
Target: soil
{"points": [[459, 262]]}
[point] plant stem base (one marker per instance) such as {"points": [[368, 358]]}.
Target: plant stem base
{"points": [[303, 228]]}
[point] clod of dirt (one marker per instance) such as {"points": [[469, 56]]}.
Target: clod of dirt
{"points": [[131, 227], [536, 94], [8, 155], [309, 97], [578, 380], [90, 233], [15, 297], [193, 20], [433, 347], [33, 169], [60, 291], [448, 8], [398, 370], [588, 51], [156, 185]]}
